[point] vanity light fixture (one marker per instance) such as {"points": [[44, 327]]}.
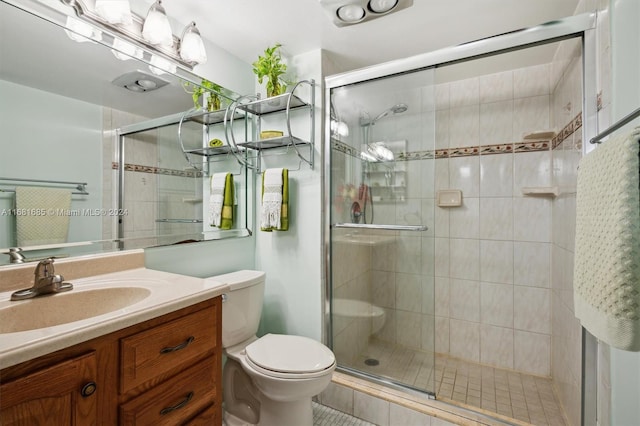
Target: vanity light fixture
{"points": [[160, 65], [81, 31], [131, 36], [156, 29], [348, 12], [191, 45], [124, 50]]}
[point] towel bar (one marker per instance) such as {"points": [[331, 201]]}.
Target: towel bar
{"points": [[80, 186], [629, 118], [382, 227]]}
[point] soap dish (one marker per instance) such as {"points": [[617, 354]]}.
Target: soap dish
{"points": [[268, 134], [449, 198]]}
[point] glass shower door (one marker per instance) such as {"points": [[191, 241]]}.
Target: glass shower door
{"points": [[381, 242]]}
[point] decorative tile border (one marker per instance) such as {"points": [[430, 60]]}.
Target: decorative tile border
{"points": [[505, 148], [157, 170], [573, 126]]}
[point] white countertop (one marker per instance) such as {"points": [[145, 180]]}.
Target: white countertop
{"points": [[167, 293]]}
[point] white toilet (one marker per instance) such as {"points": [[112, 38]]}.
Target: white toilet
{"points": [[267, 381]]}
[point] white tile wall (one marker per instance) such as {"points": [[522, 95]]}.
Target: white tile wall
{"points": [[493, 254]]}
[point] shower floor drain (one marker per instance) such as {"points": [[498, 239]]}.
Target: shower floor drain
{"points": [[371, 362]]}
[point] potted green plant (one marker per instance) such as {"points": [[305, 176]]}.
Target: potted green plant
{"points": [[271, 67], [196, 91]]}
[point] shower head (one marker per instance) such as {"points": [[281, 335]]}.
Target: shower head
{"points": [[396, 109]]}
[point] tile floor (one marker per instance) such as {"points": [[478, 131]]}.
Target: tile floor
{"points": [[519, 396], [325, 416]]}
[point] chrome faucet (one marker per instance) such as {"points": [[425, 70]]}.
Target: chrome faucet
{"points": [[45, 282]]}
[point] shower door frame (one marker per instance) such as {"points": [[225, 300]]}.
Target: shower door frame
{"points": [[580, 26]]}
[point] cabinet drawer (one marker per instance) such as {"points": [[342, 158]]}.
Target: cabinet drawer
{"points": [[175, 401], [167, 348]]}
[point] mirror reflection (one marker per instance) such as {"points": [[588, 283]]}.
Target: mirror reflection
{"points": [[63, 104]]}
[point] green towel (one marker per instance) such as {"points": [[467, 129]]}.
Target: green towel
{"points": [[284, 213], [226, 221]]}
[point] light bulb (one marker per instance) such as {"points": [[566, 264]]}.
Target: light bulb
{"points": [[156, 29]]}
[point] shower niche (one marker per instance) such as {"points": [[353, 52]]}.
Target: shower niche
{"points": [[386, 177]]}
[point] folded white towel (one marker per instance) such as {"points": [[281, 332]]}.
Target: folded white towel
{"points": [[607, 251], [216, 198], [271, 199], [45, 219]]}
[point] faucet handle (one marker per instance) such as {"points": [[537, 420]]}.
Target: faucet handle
{"points": [[42, 270]]}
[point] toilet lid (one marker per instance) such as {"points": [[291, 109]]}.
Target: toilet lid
{"points": [[290, 354]]}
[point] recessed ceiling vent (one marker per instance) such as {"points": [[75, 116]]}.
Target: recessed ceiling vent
{"points": [[138, 81], [349, 12]]}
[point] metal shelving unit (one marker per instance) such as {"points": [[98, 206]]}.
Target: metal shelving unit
{"points": [[285, 103]]}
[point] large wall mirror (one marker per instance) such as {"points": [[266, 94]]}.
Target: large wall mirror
{"points": [[70, 183]]}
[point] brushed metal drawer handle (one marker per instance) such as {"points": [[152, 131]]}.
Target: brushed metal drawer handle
{"points": [[178, 405], [180, 346]]}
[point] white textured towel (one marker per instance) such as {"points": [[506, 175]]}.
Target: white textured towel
{"points": [[607, 251], [42, 215], [271, 199], [216, 198]]}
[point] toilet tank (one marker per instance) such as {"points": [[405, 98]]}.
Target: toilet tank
{"points": [[242, 307]]}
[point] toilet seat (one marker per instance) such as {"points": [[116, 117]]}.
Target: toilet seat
{"points": [[289, 357]]}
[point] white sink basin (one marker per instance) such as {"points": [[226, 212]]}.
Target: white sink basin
{"points": [[62, 308]]}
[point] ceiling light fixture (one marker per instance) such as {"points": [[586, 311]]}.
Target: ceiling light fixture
{"points": [[134, 37], [348, 12], [382, 6], [139, 81]]}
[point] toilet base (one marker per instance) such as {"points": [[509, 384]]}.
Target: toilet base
{"points": [[296, 413], [229, 419], [290, 413]]}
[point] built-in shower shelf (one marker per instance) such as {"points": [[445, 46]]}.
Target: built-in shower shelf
{"points": [[192, 200], [541, 191]]}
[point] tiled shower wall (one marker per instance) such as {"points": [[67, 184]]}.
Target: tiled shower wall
{"points": [[492, 285]]}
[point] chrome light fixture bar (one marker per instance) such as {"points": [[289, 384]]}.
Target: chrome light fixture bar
{"points": [[349, 12], [135, 32]]}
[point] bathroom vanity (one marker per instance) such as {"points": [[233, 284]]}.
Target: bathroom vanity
{"points": [[157, 361]]}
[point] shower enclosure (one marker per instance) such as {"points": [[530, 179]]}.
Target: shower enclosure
{"points": [[449, 186], [382, 235]]}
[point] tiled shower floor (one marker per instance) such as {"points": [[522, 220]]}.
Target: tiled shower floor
{"points": [[520, 396]]}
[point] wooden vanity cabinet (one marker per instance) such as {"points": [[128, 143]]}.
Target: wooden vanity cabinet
{"points": [[165, 371]]}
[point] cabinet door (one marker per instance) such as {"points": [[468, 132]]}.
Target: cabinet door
{"points": [[58, 395]]}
